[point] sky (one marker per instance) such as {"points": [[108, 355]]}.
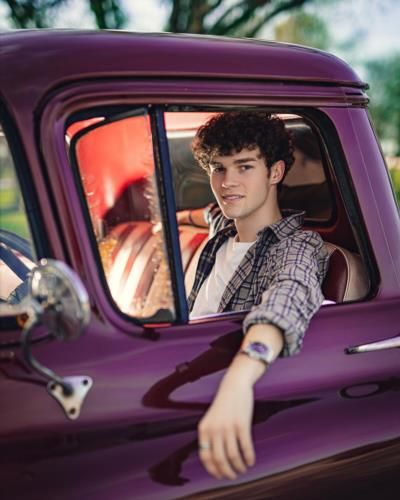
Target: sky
{"points": [[376, 23]]}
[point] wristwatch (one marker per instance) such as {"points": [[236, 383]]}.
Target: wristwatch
{"points": [[259, 351]]}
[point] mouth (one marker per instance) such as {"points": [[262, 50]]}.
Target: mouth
{"points": [[231, 197]]}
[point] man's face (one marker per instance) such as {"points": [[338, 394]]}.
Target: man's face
{"points": [[241, 184]]}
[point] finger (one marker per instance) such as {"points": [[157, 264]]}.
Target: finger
{"points": [[220, 458], [246, 444], [233, 453], [208, 463], [205, 455]]}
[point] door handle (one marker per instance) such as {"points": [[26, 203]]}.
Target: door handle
{"points": [[381, 345]]}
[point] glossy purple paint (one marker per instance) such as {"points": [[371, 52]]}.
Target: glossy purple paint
{"points": [[61, 56], [136, 437]]}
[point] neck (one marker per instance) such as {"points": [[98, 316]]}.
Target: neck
{"points": [[248, 227]]}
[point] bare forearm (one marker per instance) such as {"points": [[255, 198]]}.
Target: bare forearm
{"points": [[193, 217], [225, 442], [245, 370]]}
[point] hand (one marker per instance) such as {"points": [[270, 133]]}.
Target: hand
{"points": [[193, 217], [226, 429], [225, 442], [182, 217]]}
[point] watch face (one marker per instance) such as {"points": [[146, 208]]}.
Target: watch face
{"points": [[258, 347], [258, 350]]}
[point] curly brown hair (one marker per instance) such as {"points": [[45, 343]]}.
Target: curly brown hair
{"points": [[230, 132]]}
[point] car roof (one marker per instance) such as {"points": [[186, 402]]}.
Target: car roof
{"points": [[53, 57]]}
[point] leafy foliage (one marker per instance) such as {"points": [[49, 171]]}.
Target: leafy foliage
{"points": [[304, 29], [384, 78], [216, 17], [41, 13], [108, 13], [395, 175], [221, 17], [33, 13]]}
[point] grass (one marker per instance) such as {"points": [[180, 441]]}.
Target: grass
{"points": [[8, 198], [12, 214], [15, 222], [395, 175]]}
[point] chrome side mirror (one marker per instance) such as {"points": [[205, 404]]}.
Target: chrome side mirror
{"points": [[59, 302]]}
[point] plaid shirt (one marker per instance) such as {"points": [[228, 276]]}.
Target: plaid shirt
{"points": [[279, 278]]}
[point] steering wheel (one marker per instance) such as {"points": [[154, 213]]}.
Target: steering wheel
{"points": [[10, 243]]}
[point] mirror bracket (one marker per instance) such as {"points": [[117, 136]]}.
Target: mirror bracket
{"points": [[60, 303], [72, 402]]}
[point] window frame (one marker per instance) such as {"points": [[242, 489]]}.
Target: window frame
{"points": [[333, 159], [163, 178], [130, 93], [33, 213]]}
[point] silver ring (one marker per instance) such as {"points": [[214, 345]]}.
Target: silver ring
{"points": [[204, 446]]}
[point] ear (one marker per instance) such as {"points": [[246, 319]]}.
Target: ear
{"points": [[277, 172]]}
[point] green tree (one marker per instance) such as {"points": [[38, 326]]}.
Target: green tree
{"points": [[108, 13], [220, 17], [304, 29], [216, 17], [384, 79], [41, 13], [33, 13]]}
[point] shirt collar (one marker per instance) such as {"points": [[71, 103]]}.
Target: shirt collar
{"points": [[291, 221]]}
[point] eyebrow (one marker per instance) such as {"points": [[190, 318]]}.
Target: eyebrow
{"points": [[245, 160], [236, 162]]}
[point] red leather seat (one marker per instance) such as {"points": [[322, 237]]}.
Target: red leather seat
{"points": [[346, 279], [134, 276]]}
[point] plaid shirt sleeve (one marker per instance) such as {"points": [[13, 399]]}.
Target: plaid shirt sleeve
{"points": [[294, 293]]}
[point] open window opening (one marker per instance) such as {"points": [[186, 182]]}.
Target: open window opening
{"points": [[17, 252], [116, 173], [117, 161], [309, 186]]}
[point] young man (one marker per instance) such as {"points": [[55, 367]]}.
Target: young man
{"points": [[256, 260]]}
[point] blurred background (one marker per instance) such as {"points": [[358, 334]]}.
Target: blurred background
{"points": [[365, 33]]}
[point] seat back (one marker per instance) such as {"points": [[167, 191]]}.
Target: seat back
{"points": [[133, 278], [346, 279]]}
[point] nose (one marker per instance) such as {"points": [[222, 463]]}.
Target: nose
{"points": [[229, 179]]}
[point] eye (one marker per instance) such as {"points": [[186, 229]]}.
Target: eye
{"points": [[217, 170], [245, 168]]}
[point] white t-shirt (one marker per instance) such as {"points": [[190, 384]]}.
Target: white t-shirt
{"points": [[228, 258]]}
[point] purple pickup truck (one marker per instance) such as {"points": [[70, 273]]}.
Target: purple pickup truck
{"points": [[96, 163]]}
